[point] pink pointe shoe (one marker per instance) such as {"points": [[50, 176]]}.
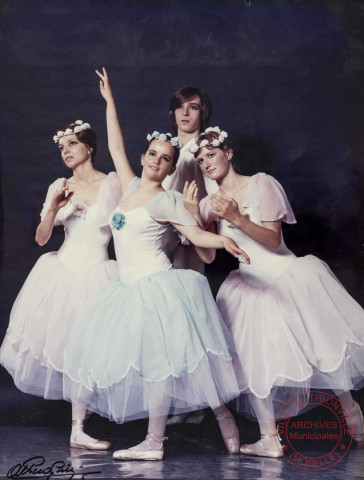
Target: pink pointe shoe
{"points": [[93, 444], [265, 447], [152, 450], [232, 442], [358, 423]]}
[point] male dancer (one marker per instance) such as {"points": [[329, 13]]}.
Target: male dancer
{"points": [[189, 111]]}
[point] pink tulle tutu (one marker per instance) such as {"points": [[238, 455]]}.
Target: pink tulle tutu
{"points": [[42, 318]]}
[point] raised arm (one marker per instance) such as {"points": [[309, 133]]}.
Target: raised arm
{"points": [[269, 235], [59, 200], [114, 134]]}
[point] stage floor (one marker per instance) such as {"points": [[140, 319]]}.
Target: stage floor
{"points": [[189, 454]]}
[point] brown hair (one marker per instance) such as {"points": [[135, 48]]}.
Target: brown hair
{"points": [[183, 95], [88, 137]]}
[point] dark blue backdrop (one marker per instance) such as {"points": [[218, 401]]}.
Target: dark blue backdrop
{"points": [[285, 78]]}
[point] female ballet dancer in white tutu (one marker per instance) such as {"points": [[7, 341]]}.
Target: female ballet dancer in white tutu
{"points": [[60, 283], [152, 341], [294, 325]]}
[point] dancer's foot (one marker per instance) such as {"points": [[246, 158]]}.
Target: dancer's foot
{"points": [[150, 449], [358, 423], [79, 439], [229, 431], [265, 447]]}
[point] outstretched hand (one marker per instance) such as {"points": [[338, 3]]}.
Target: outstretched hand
{"points": [[190, 198], [231, 247], [62, 196], [226, 208], [105, 88]]}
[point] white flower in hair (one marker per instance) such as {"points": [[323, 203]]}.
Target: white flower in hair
{"points": [[213, 129], [223, 134], [165, 137], [194, 148], [78, 128], [215, 142], [204, 143]]}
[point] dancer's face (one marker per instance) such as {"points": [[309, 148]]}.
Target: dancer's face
{"points": [[157, 161], [215, 163], [188, 115], [73, 151]]}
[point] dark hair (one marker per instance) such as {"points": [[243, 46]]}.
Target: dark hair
{"points": [[175, 155], [183, 95], [88, 137]]}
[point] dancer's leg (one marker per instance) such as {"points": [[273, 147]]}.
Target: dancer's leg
{"points": [[229, 430], [267, 445], [79, 439], [152, 447], [355, 413]]}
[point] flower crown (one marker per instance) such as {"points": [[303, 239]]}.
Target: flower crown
{"points": [[79, 126], [165, 137], [195, 147]]}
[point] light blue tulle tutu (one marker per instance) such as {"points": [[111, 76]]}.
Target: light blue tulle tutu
{"points": [[158, 341]]}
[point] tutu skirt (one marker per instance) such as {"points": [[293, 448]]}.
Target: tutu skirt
{"points": [[150, 348], [45, 311], [304, 331]]}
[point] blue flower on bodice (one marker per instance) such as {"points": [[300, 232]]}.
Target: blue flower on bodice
{"points": [[118, 220]]}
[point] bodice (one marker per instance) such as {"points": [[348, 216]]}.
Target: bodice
{"points": [[139, 245], [85, 241], [265, 264]]}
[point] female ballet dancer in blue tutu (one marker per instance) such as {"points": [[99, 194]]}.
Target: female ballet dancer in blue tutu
{"points": [[294, 325], [152, 341], [60, 283]]}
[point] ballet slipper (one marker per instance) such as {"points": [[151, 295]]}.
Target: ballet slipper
{"points": [[232, 442], [152, 449], [358, 423], [264, 447], [87, 445]]}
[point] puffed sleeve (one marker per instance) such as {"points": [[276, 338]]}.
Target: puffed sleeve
{"points": [[168, 207], [266, 197], [207, 215], [52, 189], [109, 197]]}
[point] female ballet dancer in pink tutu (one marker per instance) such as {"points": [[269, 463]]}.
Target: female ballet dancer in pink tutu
{"points": [[161, 344], [60, 283], [294, 325]]}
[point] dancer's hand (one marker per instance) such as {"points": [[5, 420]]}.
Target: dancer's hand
{"points": [[231, 247], [225, 208], [105, 88], [61, 197], [190, 199]]}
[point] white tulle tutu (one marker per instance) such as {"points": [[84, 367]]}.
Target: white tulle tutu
{"points": [[56, 291], [294, 325]]}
